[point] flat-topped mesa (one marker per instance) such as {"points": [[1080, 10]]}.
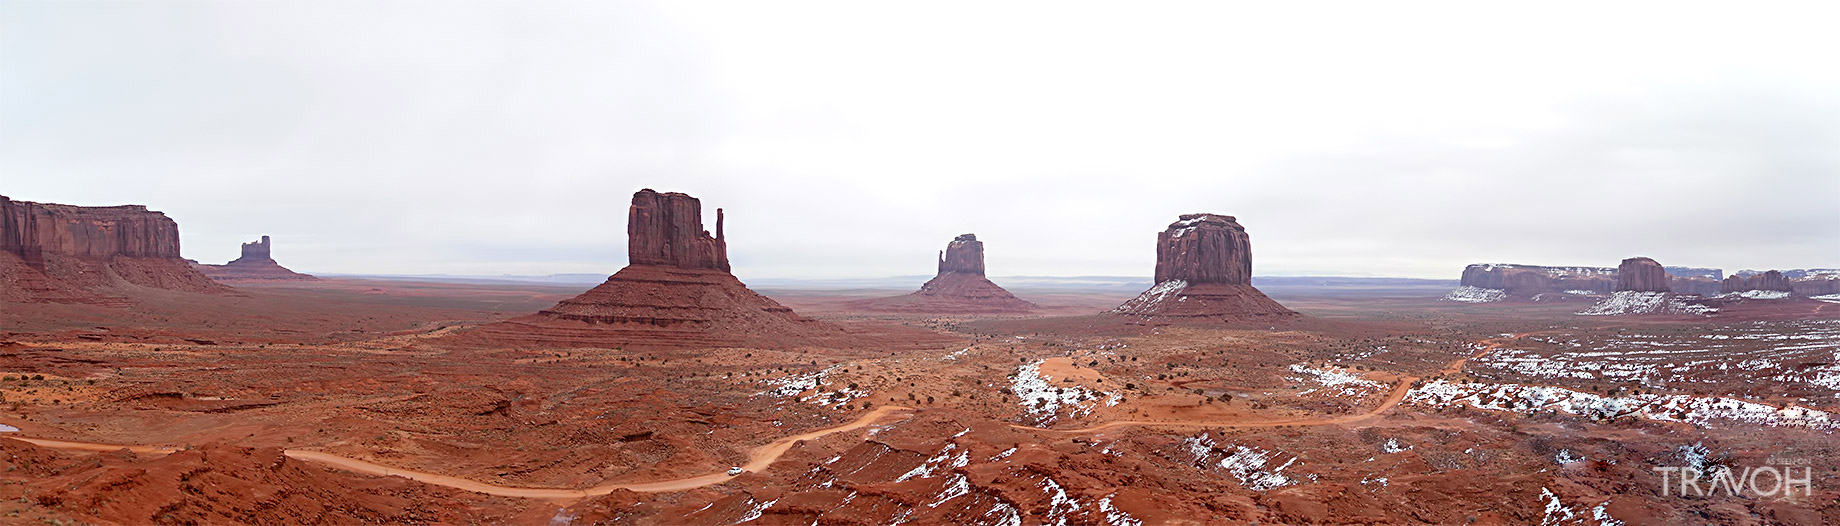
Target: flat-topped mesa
{"points": [[1204, 270], [667, 230], [964, 255], [1204, 248], [1642, 275], [1770, 280], [81, 254]]}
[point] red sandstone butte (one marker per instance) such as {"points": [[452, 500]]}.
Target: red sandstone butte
{"points": [[1204, 270], [1642, 275], [959, 287], [255, 265], [1770, 280], [76, 254], [676, 292]]}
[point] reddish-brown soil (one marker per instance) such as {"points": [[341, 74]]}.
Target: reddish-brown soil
{"points": [[283, 404]]}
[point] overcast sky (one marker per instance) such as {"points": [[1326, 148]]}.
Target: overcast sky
{"points": [[854, 139]]}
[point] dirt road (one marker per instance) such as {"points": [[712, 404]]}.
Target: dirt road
{"points": [[758, 459]]}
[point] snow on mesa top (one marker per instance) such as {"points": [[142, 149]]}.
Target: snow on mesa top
{"points": [[1204, 270]]}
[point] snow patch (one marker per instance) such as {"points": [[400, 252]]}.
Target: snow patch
{"points": [[1469, 294]]}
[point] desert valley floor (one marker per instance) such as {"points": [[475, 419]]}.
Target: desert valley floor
{"points": [[338, 401]]}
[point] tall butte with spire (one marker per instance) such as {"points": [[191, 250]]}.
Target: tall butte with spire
{"points": [[1204, 271], [959, 287], [675, 292], [255, 265]]}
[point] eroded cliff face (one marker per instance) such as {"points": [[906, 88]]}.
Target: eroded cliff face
{"points": [[1769, 280], [964, 255], [1642, 275], [78, 254], [667, 229], [676, 292], [1532, 280], [959, 288], [257, 264], [1204, 248], [1204, 270]]}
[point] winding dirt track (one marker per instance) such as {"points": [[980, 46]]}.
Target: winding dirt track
{"points": [[1392, 400], [760, 457]]}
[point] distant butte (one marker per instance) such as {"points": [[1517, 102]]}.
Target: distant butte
{"points": [[1204, 270], [255, 265], [959, 286], [676, 292], [51, 253]]}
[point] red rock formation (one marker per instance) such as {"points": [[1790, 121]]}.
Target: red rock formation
{"points": [[62, 253], [1695, 285], [960, 286], [676, 293], [1816, 286], [964, 255], [667, 229], [1527, 281], [1642, 275], [1204, 248], [255, 265], [1771, 280], [1204, 270]]}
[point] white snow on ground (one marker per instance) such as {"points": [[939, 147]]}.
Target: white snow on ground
{"points": [[758, 510], [1786, 352], [797, 384], [1582, 292], [1042, 400], [1632, 302], [1558, 514], [956, 354], [958, 487], [945, 458], [1337, 380], [1392, 445], [1155, 296], [1251, 466], [1469, 294], [1698, 410], [1115, 516], [1565, 456], [1830, 298], [1755, 295]]}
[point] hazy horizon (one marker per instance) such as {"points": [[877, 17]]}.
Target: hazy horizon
{"points": [[852, 140]]}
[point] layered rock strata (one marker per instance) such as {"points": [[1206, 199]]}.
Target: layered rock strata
{"points": [[1204, 270]]}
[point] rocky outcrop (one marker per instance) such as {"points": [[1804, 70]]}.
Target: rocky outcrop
{"points": [[964, 255], [1204, 271], [667, 230], [76, 254], [1769, 280], [1642, 275], [1816, 286], [255, 265], [676, 292], [1204, 248], [1703, 286], [1528, 281], [959, 288]]}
